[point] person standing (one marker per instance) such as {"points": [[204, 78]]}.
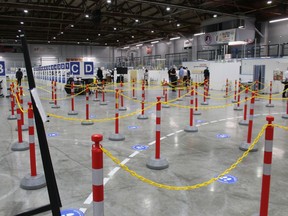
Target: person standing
{"points": [[206, 74], [285, 82], [173, 75], [19, 75], [146, 77], [100, 74]]}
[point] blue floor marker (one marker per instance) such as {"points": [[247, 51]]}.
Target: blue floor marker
{"points": [[133, 127], [140, 147], [92, 116], [222, 136], [228, 179], [71, 212], [200, 121], [53, 134]]}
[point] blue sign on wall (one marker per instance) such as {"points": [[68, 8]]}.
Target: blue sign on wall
{"points": [[75, 68], [62, 66], [58, 66], [2, 68], [67, 65], [71, 212], [88, 68], [140, 147], [228, 179]]}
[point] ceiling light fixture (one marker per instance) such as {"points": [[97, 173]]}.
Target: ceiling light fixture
{"points": [[25, 11], [62, 32], [78, 42], [132, 36], [138, 45], [72, 26], [48, 41], [152, 31], [175, 38], [22, 23], [178, 24], [127, 47], [54, 38], [278, 20], [198, 34], [153, 42], [106, 44], [269, 2], [168, 8], [136, 20], [215, 15], [19, 30], [87, 39], [115, 28], [86, 15], [235, 43], [99, 34], [108, 1]]}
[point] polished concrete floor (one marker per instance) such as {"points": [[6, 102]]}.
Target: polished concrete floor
{"points": [[193, 158]]}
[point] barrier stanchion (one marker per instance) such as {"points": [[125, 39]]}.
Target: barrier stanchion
{"points": [[20, 99], [237, 107], [52, 93], [133, 90], [267, 165], [235, 92], [116, 136], [72, 112], [157, 163], [12, 92], [97, 176], [244, 121], [190, 127], [103, 102], [55, 106], [122, 107], [166, 105], [256, 91], [196, 112], [96, 92], [246, 145], [205, 102], [270, 97], [20, 145], [179, 94], [164, 89], [87, 121], [12, 102], [226, 90], [285, 116], [142, 115], [32, 181]]}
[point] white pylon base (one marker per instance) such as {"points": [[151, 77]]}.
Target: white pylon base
{"points": [[103, 103], [197, 113], [23, 146], [285, 116], [269, 105], [165, 105], [157, 164], [87, 122], [180, 99], [204, 103], [226, 96], [238, 108], [189, 128], [116, 137], [244, 147], [55, 106], [234, 101], [96, 99], [73, 113], [51, 102], [142, 116], [122, 108], [243, 122], [12, 117], [23, 127], [33, 182], [134, 98]]}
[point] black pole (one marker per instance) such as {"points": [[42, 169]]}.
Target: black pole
{"points": [[52, 188]]}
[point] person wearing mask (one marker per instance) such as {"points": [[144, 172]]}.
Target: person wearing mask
{"points": [[19, 75], [285, 82]]}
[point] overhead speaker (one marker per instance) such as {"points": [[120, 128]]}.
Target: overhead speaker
{"points": [[96, 16]]}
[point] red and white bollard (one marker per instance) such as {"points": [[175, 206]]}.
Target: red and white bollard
{"points": [[285, 116], [142, 115], [205, 102], [103, 102], [191, 127], [133, 90], [55, 106], [235, 92], [87, 121], [20, 98], [244, 121], [96, 92], [72, 112], [12, 102], [157, 162], [237, 107], [32, 181], [20, 145], [116, 136], [196, 111], [166, 105], [270, 97], [179, 94], [257, 91], [97, 176], [163, 88], [52, 93], [226, 89], [122, 107], [244, 146], [267, 165]]}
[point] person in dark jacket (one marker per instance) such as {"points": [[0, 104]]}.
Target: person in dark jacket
{"points": [[100, 74], [19, 75]]}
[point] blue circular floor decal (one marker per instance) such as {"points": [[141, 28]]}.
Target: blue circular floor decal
{"points": [[133, 127], [200, 121], [92, 116], [140, 147], [71, 212], [228, 179], [52, 134], [222, 136]]}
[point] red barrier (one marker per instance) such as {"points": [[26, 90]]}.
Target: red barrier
{"points": [[270, 97], [196, 112], [103, 102], [190, 127], [122, 107], [31, 140], [12, 102], [256, 90], [72, 112], [52, 93], [235, 92], [179, 94], [55, 106], [244, 121], [165, 105], [285, 116], [97, 176], [267, 165], [238, 108], [226, 91], [87, 121], [133, 90], [96, 92], [157, 162], [142, 115], [245, 146], [205, 93]]}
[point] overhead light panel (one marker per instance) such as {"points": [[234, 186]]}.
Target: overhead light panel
{"points": [[137, 20], [178, 24], [86, 15], [127, 47], [278, 20], [168, 8], [22, 23], [215, 15], [109, 1], [154, 42], [25, 11], [138, 45], [269, 2], [152, 31], [198, 34], [235, 43], [72, 26], [175, 38]]}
